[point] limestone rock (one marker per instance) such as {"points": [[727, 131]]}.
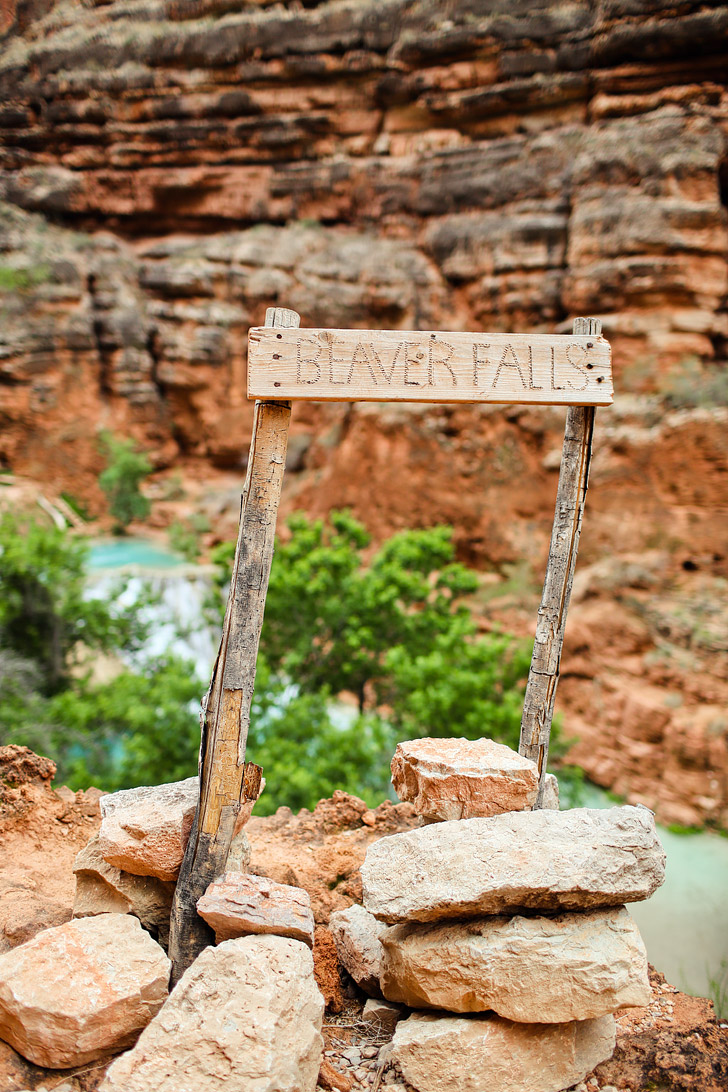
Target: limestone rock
{"points": [[548, 970], [463, 778], [489, 1054], [144, 831], [357, 935], [103, 889], [381, 1016], [82, 990], [246, 1015], [240, 904], [551, 793], [540, 860]]}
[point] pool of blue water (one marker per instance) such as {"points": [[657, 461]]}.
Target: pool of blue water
{"points": [[118, 552]]}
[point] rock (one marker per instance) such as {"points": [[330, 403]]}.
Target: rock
{"points": [[239, 904], [551, 793], [103, 889], [541, 860], [489, 1054], [381, 1016], [239, 856], [331, 1078], [548, 970], [246, 1015], [357, 935], [463, 778], [144, 831], [82, 990]]}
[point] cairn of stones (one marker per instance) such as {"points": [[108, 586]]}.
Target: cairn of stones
{"points": [[493, 941], [503, 928], [247, 1014]]}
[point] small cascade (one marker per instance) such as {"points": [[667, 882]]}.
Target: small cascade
{"points": [[172, 595]]}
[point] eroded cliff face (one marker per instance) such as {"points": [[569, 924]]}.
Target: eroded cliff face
{"points": [[171, 169]]}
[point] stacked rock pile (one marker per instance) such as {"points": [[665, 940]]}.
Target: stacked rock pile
{"points": [[504, 928], [247, 1012]]}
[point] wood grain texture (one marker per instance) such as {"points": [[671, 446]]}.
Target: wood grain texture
{"points": [[543, 678], [427, 366], [225, 781]]}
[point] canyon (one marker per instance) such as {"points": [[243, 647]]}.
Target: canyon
{"points": [[170, 168]]}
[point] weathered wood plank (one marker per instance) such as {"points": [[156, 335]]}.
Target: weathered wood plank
{"points": [[226, 783], [543, 678], [426, 366]]}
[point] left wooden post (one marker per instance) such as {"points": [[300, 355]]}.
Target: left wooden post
{"points": [[225, 783]]}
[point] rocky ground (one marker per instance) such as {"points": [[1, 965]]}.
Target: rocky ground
{"points": [[675, 1044]]}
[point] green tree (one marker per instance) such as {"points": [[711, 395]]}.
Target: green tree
{"points": [[44, 614], [395, 633], [137, 728], [348, 616], [126, 469]]}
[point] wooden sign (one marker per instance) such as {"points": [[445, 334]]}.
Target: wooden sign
{"points": [[424, 366]]}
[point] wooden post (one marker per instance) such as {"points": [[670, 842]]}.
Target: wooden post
{"points": [[226, 783], [543, 677]]}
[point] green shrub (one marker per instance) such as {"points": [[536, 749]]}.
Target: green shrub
{"points": [[126, 468]]}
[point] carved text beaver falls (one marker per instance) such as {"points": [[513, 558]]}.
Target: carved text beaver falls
{"points": [[395, 365]]}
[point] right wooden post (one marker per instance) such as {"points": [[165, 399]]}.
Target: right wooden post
{"points": [[543, 677]]}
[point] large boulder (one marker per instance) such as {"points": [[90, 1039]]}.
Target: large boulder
{"points": [[357, 936], [575, 966], [540, 860], [103, 889], [246, 1015], [463, 778], [489, 1054], [82, 990], [144, 831], [240, 904]]}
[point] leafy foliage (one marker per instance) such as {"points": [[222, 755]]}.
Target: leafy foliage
{"points": [[126, 469], [355, 655], [135, 728], [393, 633], [43, 613]]}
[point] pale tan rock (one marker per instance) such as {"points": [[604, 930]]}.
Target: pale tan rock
{"points": [[246, 1016], [82, 990], [144, 831], [489, 1054], [551, 793], [381, 1016], [575, 966], [540, 860], [357, 935], [240, 904], [103, 889], [463, 778]]}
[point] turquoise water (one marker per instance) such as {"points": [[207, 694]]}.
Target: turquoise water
{"points": [[117, 552], [685, 923]]}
